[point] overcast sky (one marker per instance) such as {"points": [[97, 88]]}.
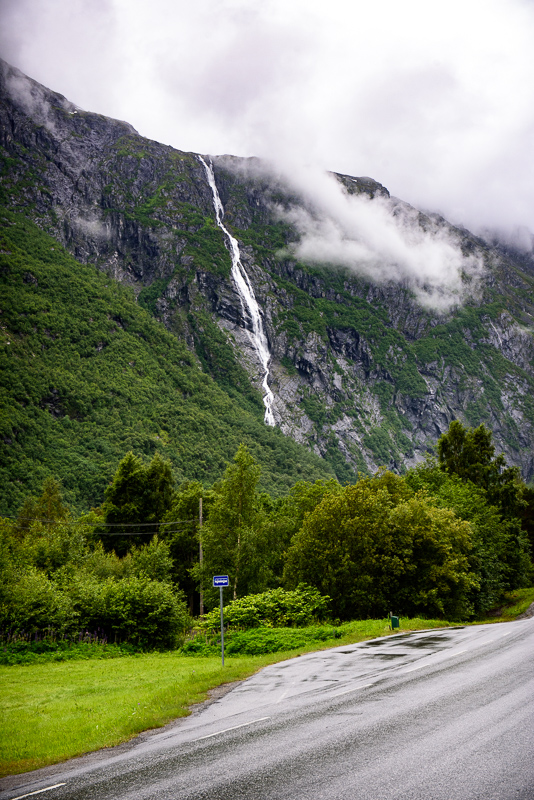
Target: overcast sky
{"points": [[433, 99]]}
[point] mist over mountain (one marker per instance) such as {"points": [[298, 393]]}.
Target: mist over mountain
{"points": [[382, 323]]}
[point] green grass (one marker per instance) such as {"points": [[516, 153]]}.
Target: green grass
{"points": [[517, 602], [55, 711]]}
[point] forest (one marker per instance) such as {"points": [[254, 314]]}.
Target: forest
{"points": [[448, 539]]}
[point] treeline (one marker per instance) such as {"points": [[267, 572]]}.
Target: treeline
{"points": [[448, 539]]}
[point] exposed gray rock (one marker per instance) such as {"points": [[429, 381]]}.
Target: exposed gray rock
{"points": [[380, 390]]}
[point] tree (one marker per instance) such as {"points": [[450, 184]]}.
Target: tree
{"points": [[527, 517], [182, 532], [377, 546], [159, 489], [234, 540], [286, 515], [136, 501], [305, 496], [47, 536], [499, 557], [49, 507], [470, 454]]}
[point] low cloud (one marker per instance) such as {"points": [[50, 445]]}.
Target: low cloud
{"points": [[31, 99], [379, 239], [435, 100], [95, 229], [518, 238], [27, 97]]}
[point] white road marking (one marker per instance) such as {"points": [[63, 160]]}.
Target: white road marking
{"points": [[55, 786], [348, 691], [454, 653], [282, 696], [449, 655], [234, 728]]}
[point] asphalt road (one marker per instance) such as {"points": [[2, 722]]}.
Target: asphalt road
{"points": [[440, 715]]}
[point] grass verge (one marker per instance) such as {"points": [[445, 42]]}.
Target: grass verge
{"points": [[55, 711], [517, 603], [52, 712]]}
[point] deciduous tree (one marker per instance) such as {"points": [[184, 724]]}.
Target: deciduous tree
{"points": [[499, 557], [234, 538], [377, 546], [470, 454]]}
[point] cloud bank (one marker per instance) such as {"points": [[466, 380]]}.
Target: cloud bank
{"points": [[434, 100], [380, 239]]}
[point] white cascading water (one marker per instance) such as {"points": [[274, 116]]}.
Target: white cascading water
{"points": [[248, 298]]}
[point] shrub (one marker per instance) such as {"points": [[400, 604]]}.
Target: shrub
{"points": [[152, 561], [200, 646], [274, 640], [33, 603], [258, 641], [276, 607], [142, 611], [21, 651]]}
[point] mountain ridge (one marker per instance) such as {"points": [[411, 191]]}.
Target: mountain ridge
{"points": [[362, 373]]}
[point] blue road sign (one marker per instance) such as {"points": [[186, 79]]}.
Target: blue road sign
{"points": [[221, 580]]}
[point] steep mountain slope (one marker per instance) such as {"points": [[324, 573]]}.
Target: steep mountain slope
{"points": [[86, 375], [360, 370]]}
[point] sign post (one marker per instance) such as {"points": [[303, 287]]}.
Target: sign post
{"points": [[221, 581]]}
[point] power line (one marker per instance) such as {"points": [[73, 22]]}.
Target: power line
{"points": [[101, 524], [140, 533], [132, 533]]}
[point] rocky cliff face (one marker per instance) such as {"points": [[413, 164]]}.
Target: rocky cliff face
{"points": [[360, 371]]}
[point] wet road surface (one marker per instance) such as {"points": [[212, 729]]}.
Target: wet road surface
{"points": [[433, 715]]}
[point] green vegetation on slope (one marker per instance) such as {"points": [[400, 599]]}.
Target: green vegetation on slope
{"points": [[156, 207], [87, 375], [219, 360]]}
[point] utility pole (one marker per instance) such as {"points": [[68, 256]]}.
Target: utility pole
{"points": [[200, 553]]}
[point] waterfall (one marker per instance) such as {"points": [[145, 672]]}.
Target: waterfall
{"points": [[249, 303]]}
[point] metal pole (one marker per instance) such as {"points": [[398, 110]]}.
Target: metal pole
{"points": [[222, 627], [200, 555]]}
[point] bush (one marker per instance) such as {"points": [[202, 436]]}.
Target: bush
{"points": [[153, 561], [21, 651], [139, 610], [259, 641], [274, 640], [146, 613], [32, 603], [276, 607], [201, 646]]}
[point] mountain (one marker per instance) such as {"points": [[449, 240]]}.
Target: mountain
{"points": [[359, 358]]}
